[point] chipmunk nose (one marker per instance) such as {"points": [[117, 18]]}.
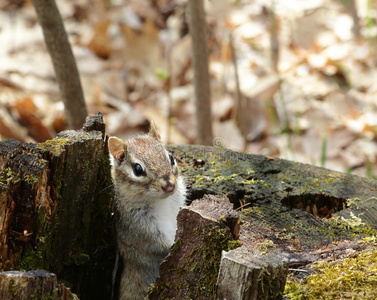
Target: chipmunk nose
{"points": [[168, 185]]}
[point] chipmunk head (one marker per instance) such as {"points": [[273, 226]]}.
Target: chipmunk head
{"points": [[143, 169]]}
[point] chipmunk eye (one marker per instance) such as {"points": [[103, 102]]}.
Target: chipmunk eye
{"points": [[138, 169], [172, 161]]}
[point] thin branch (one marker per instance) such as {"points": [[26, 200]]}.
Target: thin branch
{"points": [[63, 60], [198, 32]]}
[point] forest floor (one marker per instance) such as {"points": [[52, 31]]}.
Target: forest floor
{"points": [[307, 77]]}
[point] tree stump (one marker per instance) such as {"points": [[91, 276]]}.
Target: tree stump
{"points": [[36, 284], [55, 214], [203, 264], [55, 209], [205, 229], [251, 273]]}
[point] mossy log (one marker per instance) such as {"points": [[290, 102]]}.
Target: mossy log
{"points": [[55, 209], [292, 214], [36, 284], [298, 206]]}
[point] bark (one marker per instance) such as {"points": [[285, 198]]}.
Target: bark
{"points": [[274, 39], [205, 229], [198, 32], [303, 209], [355, 17], [279, 192], [63, 60], [55, 209]]}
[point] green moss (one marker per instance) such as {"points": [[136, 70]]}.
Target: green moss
{"points": [[54, 146], [251, 212], [176, 246], [8, 176], [353, 225], [196, 277], [369, 240], [205, 261], [15, 289], [234, 244], [216, 178], [158, 289], [30, 179], [31, 260], [265, 246], [350, 278], [210, 255]]}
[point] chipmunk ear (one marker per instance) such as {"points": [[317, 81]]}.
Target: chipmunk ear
{"points": [[117, 148], [153, 131]]}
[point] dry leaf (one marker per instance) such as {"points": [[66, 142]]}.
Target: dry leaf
{"points": [[100, 43], [27, 113]]}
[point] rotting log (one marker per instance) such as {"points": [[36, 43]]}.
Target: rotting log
{"points": [[55, 209], [292, 212], [35, 284], [297, 206]]}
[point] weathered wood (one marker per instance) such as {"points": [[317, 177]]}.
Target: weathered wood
{"points": [[298, 206], [250, 273], [55, 209], [300, 212], [55, 201], [95, 123], [206, 234], [190, 271], [35, 284]]}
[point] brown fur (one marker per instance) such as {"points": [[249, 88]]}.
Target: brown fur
{"points": [[145, 209]]}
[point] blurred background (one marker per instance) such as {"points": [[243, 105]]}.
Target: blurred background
{"points": [[306, 84]]}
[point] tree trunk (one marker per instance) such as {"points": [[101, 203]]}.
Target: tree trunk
{"points": [[198, 30], [63, 60]]}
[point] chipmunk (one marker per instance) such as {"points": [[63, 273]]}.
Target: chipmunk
{"points": [[148, 195]]}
